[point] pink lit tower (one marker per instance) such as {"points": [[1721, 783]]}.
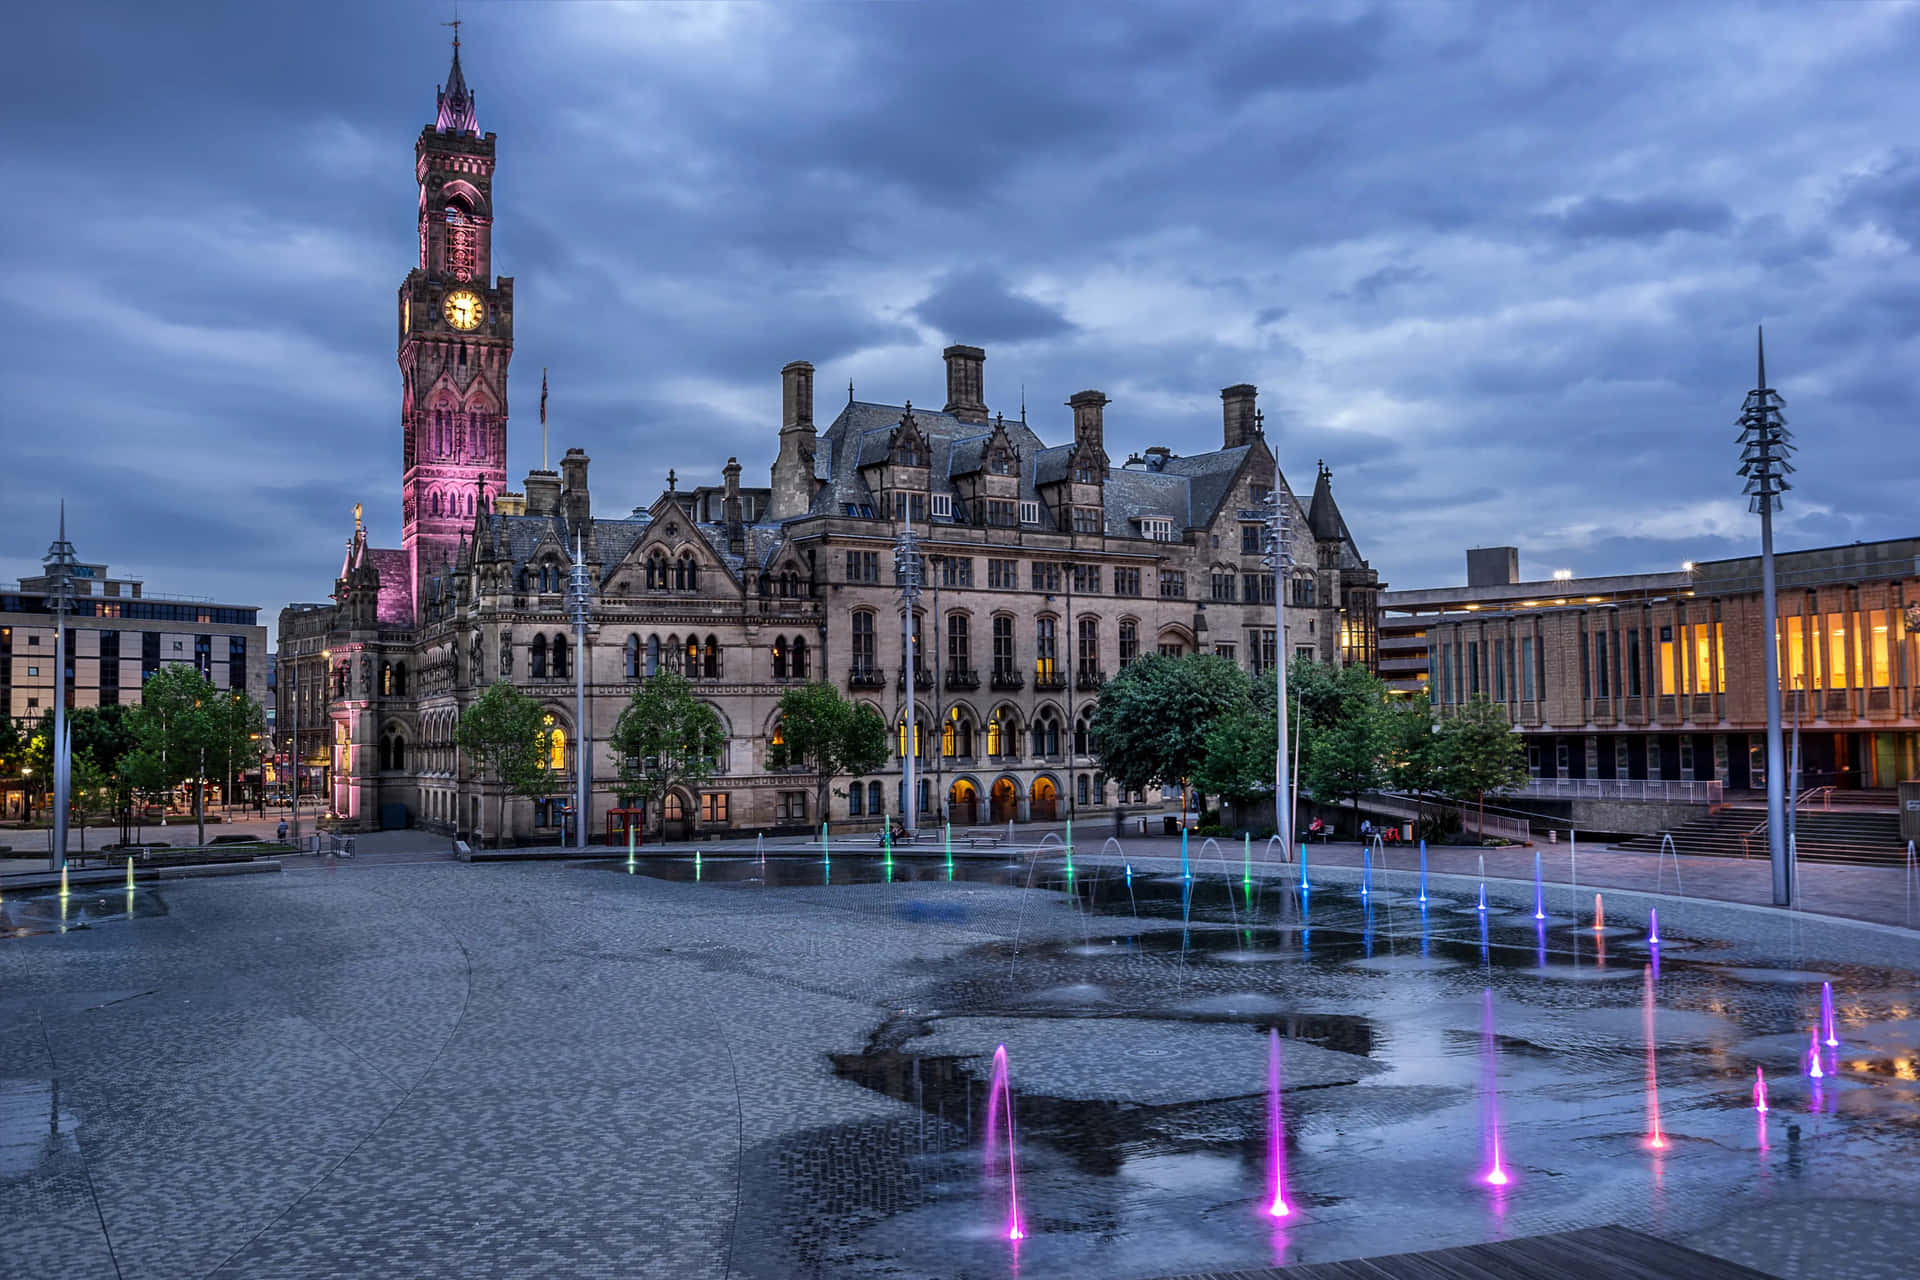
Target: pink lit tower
{"points": [[456, 339]]}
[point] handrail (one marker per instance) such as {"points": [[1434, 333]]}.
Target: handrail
{"points": [[1800, 802]]}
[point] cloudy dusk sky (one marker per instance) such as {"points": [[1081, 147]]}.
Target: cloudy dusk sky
{"points": [[1498, 265]]}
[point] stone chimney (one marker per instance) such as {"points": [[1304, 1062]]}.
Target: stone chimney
{"points": [[575, 502], [1237, 410], [793, 468], [1089, 422], [543, 493], [966, 388], [730, 506], [1157, 456]]}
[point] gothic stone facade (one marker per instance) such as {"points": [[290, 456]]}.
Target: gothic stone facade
{"points": [[1047, 569]]}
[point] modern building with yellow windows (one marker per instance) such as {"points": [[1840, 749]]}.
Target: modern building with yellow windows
{"points": [[1658, 677]]}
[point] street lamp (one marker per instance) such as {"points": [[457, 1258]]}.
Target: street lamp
{"points": [[1766, 446], [1279, 558], [580, 605], [60, 563]]}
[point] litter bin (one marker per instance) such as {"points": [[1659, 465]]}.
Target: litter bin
{"points": [[1143, 826], [1172, 824]]}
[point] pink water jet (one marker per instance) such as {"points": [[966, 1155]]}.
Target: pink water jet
{"points": [[1656, 1138], [1813, 1055], [1826, 1016], [1000, 1103], [1277, 1206], [1599, 916], [1759, 1090], [1496, 1174]]}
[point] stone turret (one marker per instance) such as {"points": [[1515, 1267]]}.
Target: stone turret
{"points": [[730, 513], [1089, 419]]}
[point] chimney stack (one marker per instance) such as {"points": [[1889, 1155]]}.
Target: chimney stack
{"points": [[543, 493], [576, 503], [966, 387], [793, 483], [730, 505], [1089, 420], [1237, 413]]}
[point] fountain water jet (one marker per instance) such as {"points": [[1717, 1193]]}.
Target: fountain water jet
{"points": [[63, 883], [1539, 894], [1599, 915], [1813, 1056], [1656, 1138], [999, 1105], [129, 875], [1366, 872], [1483, 898], [1759, 1090], [1186, 872], [1423, 873], [1277, 1206], [1826, 1016], [1496, 1174], [1653, 927], [1304, 886]]}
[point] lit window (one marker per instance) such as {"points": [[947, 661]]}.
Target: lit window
{"points": [[556, 746]]}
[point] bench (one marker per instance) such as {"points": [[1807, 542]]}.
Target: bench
{"points": [[983, 842]]}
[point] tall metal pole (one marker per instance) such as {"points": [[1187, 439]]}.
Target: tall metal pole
{"points": [[906, 568], [1073, 677], [59, 566], [939, 733], [293, 754], [1280, 552], [1766, 446], [580, 601]]}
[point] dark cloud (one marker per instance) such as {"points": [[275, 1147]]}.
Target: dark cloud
{"points": [[1499, 266], [1647, 218], [976, 305]]}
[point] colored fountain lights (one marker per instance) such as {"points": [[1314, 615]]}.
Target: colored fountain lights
{"points": [[1656, 1136], [1496, 1174], [1827, 1036], [1423, 873], [1277, 1206], [999, 1105], [1539, 894], [1760, 1090], [1366, 873]]}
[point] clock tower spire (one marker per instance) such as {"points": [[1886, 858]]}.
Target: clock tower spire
{"points": [[455, 341]]}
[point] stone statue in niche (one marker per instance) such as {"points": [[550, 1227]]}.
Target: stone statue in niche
{"points": [[506, 654], [366, 676], [479, 661]]}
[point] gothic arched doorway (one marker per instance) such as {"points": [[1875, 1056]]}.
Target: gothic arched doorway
{"points": [[963, 803], [1005, 799], [1042, 804], [676, 817]]}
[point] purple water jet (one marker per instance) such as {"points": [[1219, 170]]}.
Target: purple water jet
{"points": [[1759, 1090], [1653, 927], [1277, 1206], [1496, 1174], [1826, 1016], [1539, 895], [1656, 1137], [1813, 1055], [999, 1104]]}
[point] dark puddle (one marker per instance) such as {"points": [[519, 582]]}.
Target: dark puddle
{"points": [[41, 911]]}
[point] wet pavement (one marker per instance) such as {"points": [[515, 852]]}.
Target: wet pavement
{"points": [[729, 1066]]}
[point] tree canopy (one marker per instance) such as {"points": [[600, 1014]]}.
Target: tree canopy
{"points": [[505, 733], [1151, 724], [1478, 754], [666, 738], [1344, 723], [181, 727], [820, 732]]}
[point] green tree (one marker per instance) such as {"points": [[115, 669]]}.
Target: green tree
{"points": [[1344, 735], [179, 725], [1410, 750], [506, 733], [241, 728], [1151, 723], [819, 732], [1480, 755], [666, 738], [1239, 747]]}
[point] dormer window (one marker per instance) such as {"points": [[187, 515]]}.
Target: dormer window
{"points": [[943, 505], [1083, 473], [1157, 528], [1029, 513], [909, 455], [1001, 464]]}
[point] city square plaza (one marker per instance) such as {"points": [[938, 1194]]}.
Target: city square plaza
{"points": [[779, 1061]]}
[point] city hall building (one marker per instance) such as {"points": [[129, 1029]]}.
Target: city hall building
{"points": [[1047, 569]]}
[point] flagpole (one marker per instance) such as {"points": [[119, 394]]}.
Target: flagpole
{"points": [[543, 420]]}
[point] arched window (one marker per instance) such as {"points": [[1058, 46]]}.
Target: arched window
{"points": [[386, 679], [1081, 730], [1099, 788], [656, 570], [1129, 641], [686, 574], [919, 738], [436, 502], [692, 661], [1003, 734], [1086, 655], [798, 662], [556, 746], [399, 752], [562, 668], [856, 798], [399, 679], [779, 657], [1003, 645], [959, 646], [386, 754], [1046, 734], [520, 580], [863, 644], [463, 251], [1043, 648], [1081, 789], [537, 658], [876, 798], [633, 657], [653, 656]]}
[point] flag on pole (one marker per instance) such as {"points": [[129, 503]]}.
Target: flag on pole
{"points": [[543, 418]]}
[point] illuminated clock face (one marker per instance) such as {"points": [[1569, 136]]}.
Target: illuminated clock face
{"points": [[465, 310]]}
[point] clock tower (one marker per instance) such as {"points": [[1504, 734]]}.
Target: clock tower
{"points": [[456, 338]]}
